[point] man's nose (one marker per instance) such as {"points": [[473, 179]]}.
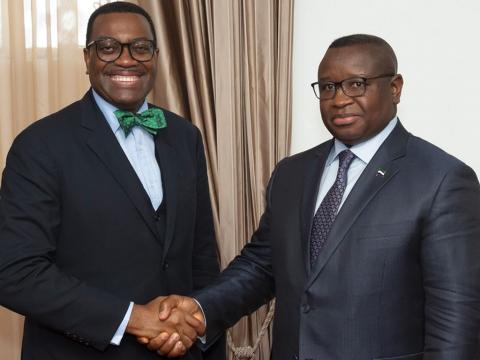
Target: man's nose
{"points": [[340, 98], [125, 58]]}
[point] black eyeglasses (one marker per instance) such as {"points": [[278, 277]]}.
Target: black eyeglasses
{"points": [[110, 49], [353, 87]]}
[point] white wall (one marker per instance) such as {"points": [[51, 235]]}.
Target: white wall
{"points": [[438, 49]]}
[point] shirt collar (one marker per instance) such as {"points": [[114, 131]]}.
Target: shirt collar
{"points": [[108, 110], [366, 149]]}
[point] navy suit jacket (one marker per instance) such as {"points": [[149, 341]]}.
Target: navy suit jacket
{"points": [[398, 278], [80, 238]]}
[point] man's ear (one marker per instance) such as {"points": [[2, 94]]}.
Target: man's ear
{"points": [[396, 87], [86, 58]]}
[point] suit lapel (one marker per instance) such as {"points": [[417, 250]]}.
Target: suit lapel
{"points": [[365, 189], [311, 186], [167, 158], [101, 140]]}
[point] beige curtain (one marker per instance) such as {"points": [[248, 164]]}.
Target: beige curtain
{"points": [[42, 74], [226, 65], [184, 82]]}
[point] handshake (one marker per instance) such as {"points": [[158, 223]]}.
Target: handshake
{"points": [[168, 325]]}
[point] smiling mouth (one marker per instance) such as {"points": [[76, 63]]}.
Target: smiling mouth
{"points": [[125, 78]]}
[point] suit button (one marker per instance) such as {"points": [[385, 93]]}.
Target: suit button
{"points": [[305, 308], [156, 217], [165, 266]]}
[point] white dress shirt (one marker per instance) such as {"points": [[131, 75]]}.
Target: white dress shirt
{"points": [[363, 151]]}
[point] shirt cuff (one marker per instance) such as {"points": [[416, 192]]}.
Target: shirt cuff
{"points": [[203, 339], [117, 338]]}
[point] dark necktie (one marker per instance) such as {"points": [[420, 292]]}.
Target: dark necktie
{"points": [[327, 211], [151, 120]]}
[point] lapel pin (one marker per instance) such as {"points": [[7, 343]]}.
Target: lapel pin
{"points": [[381, 172]]}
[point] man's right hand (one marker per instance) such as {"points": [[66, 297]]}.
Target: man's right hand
{"points": [[175, 332]]}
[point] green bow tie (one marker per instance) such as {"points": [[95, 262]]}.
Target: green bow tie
{"points": [[151, 120]]}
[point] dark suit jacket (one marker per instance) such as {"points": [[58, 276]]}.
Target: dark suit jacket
{"points": [[79, 235], [399, 276]]}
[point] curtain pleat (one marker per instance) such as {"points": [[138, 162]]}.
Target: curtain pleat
{"points": [[184, 82], [42, 76]]}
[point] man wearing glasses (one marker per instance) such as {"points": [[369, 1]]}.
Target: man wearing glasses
{"points": [[104, 206], [370, 242]]}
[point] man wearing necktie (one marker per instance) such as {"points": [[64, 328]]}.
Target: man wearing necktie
{"points": [[104, 207], [370, 242]]}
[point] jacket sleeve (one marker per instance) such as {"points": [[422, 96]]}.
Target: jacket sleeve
{"points": [[31, 283], [245, 285], [451, 269]]}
